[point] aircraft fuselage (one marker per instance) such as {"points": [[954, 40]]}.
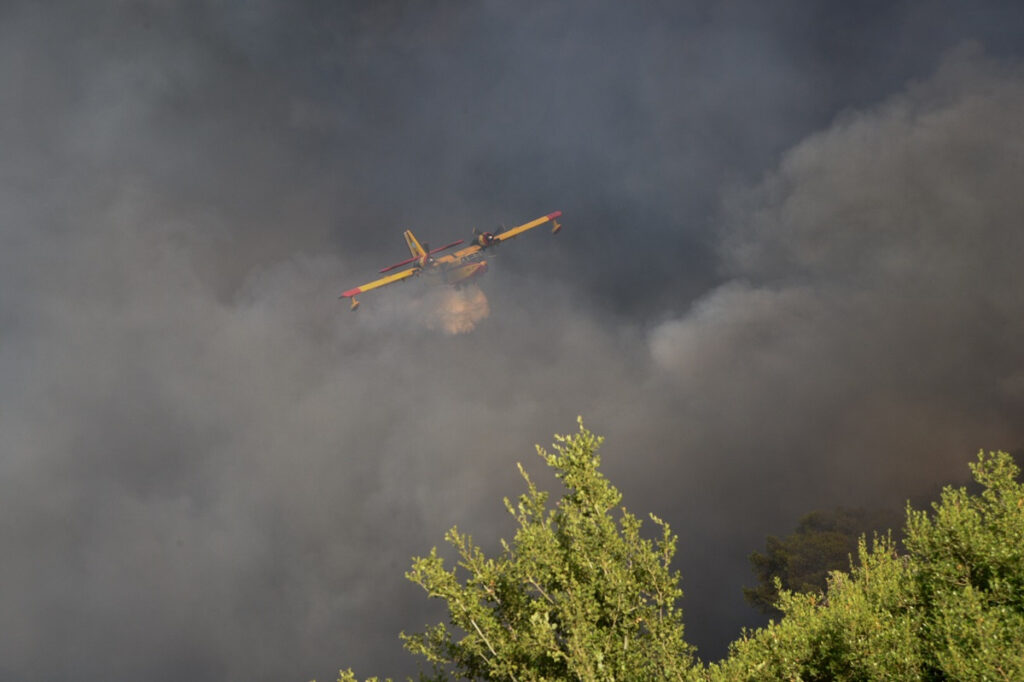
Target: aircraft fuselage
{"points": [[464, 273]]}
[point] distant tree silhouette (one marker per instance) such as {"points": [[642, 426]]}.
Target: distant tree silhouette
{"points": [[824, 541]]}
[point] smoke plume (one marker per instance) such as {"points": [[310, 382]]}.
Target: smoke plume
{"points": [[211, 470], [457, 311]]}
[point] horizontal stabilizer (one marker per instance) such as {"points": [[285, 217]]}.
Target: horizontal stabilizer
{"points": [[431, 252], [397, 265], [446, 246]]}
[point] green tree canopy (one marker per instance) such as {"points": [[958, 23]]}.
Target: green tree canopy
{"points": [[578, 594], [951, 608]]}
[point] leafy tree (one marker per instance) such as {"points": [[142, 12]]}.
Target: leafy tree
{"points": [[577, 595], [951, 608], [969, 575], [823, 542]]}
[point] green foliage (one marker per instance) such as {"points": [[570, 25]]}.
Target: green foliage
{"points": [[970, 574], [580, 594], [349, 676], [952, 608], [576, 595], [824, 541]]}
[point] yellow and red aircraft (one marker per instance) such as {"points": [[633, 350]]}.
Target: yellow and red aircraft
{"points": [[457, 267]]}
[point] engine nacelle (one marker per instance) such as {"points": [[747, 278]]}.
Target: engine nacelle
{"points": [[485, 239]]}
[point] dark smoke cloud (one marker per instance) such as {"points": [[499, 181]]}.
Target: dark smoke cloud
{"points": [[869, 334], [209, 470], [876, 284]]}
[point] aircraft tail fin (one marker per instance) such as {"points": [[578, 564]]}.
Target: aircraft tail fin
{"points": [[415, 248]]}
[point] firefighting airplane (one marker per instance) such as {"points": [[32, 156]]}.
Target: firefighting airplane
{"points": [[458, 267]]}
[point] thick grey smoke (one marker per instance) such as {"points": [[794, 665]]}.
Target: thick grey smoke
{"points": [[210, 470], [876, 296], [869, 335]]}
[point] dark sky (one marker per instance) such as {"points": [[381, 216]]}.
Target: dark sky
{"points": [[789, 279]]}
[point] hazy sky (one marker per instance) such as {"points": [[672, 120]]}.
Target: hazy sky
{"points": [[789, 279]]}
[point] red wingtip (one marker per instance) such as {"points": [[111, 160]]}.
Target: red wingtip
{"points": [[556, 214], [350, 293]]}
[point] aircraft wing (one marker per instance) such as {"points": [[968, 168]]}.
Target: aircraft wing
{"points": [[383, 281], [516, 231], [512, 233]]}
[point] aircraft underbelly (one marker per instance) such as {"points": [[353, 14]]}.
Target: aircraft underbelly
{"points": [[461, 274]]}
